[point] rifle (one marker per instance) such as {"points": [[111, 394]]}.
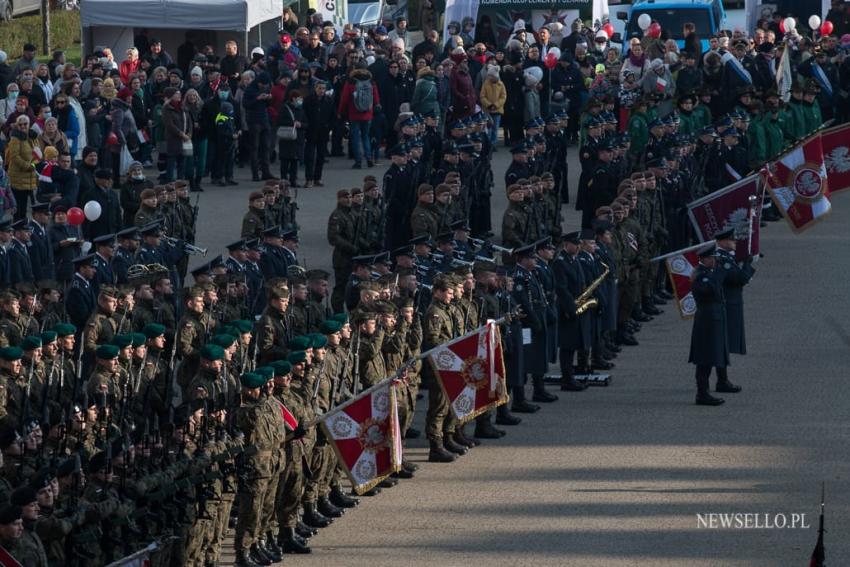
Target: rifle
{"points": [[172, 377], [78, 377], [356, 385]]}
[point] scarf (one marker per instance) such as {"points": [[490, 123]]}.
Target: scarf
{"points": [[637, 61]]}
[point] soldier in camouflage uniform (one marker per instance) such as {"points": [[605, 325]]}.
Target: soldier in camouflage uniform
{"points": [[342, 237], [195, 327], [254, 221], [272, 331], [101, 327]]}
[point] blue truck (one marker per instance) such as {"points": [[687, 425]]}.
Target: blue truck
{"points": [[707, 15]]}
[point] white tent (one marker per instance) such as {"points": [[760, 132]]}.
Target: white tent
{"points": [[219, 15]]}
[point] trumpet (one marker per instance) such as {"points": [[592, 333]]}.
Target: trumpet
{"points": [[495, 247], [187, 248], [584, 301]]}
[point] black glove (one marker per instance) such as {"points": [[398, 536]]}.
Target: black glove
{"points": [[299, 432]]}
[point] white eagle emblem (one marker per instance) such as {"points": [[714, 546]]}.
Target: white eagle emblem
{"points": [[838, 160], [807, 183]]}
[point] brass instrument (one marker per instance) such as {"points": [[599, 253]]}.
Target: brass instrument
{"points": [[584, 301]]}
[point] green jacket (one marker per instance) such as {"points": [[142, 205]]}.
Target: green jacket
{"points": [[638, 133], [689, 123], [703, 114]]}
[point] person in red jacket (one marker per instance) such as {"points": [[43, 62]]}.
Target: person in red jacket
{"points": [[129, 66], [358, 106], [460, 84]]}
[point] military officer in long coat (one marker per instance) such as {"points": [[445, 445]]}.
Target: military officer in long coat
{"points": [[545, 254], [529, 295], [573, 329], [735, 277]]}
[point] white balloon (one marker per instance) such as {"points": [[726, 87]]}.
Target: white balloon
{"points": [[814, 22], [92, 210], [644, 21], [790, 24], [556, 52]]}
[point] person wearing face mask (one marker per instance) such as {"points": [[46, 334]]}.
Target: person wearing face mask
{"points": [[7, 105], [131, 191], [290, 152]]}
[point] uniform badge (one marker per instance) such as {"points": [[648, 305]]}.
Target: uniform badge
{"points": [[727, 266], [518, 287]]}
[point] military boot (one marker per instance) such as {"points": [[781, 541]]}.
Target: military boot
{"points": [[485, 430], [704, 397], [439, 454], [291, 542], [304, 530], [461, 437], [272, 546], [639, 315], [625, 338], [313, 518], [269, 552], [505, 417], [243, 559], [259, 556], [540, 393], [342, 500], [649, 307], [568, 381], [520, 405], [599, 362], [408, 466], [329, 510], [453, 446]]}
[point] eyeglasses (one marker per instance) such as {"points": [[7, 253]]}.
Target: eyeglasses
{"points": [[58, 102]]}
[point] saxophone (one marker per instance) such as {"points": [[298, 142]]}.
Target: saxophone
{"points": [[584, 301]]}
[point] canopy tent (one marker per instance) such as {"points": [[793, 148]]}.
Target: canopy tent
{"points": [[219, 15]]}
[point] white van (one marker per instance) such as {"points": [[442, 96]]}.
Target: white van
{"points": [[11, 8]]}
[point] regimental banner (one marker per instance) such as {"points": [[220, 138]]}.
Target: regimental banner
{"points": [[798, 184], [836, 155], [680, 266], [365, 435], [731, 207], [471, 372]]}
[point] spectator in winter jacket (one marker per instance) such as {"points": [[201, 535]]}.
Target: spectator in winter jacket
{"points": [[463, 93], [532, 77], [131, 191], [22, 161], [425, 97], [493, 97], [256, 101], [129, 66], [109, 221], [358, 106], [319, 111]]}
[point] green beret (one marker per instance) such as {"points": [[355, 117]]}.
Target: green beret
{"points": [[330, 327], [341, 317], [153, 330], [11, 353], [224, 341], [252, 380], [106, 352], [281, 367], [318, 340], [48, 337], [266, 372], [212, 352], [230, 330], [122, 341], [300, 342], [138, 339], [65, 329], [31, 342], [297, 356], [243, 325]]}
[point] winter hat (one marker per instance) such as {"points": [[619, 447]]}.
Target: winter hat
{"points": [[458, 54], [656, 64], [493, 71], [532, 76], [196, 72], [3, 56], [519, 25]]}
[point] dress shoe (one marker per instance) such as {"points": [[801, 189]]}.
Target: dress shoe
{"points": [[408, 466], [641, 317], [727, 387], [403, 473], [540, 393], [665, 294], [388, 482], [453, 446], [708, 400], [304, 530], [374, 491], [522, 406], [626, 339], [650, 309], [412, 433], [231, 182], [569, 384], [602, 364], [505, 417], [270, 553], [313, 518], [439, 454], [485, 430], [327, 509], [290, 542], [658, 300], [342, 500]]}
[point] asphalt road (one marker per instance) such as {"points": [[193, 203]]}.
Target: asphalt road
{"points": [[617, 476]]}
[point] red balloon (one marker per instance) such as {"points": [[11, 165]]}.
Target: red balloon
{"points": [[76, 216], [826, 28], [608, 28], [654, 30], [550, 61], [782, 25]]}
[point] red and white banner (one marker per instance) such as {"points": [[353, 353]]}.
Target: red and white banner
{"points": [[471, 372], [365, 434], [798, 184], [680, 266], [731, 207], [836, 155]]}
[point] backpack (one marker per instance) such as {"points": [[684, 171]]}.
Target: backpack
{"points": [[362, 95]]}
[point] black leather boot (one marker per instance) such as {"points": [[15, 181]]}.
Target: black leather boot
{"points": [[485, 430], [270, 553], [258, 556], [342, 500], [439, 454], [540, 393], [329, 510], [243, 559], [272, 546], [313, 518], [464, 439], [290, 542], [304, 530], [505, 417], [453, 446], [568, 381], [704, 397]]}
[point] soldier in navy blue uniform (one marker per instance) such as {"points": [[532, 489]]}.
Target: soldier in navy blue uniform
{"points": [[81, 300], [150, 251], [104, 247], [5, 238], [290, 248], [463, 247], [573, 329], [530, 297], [709, 343], [254, 277], [588, 154], [20, 264], [448, 163], [125, 253], [236, 258], [592, 270], [40, 248], [609, 289], [273, 262], [545, 254], [361, 270], [518, 169], [735, 277]]}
